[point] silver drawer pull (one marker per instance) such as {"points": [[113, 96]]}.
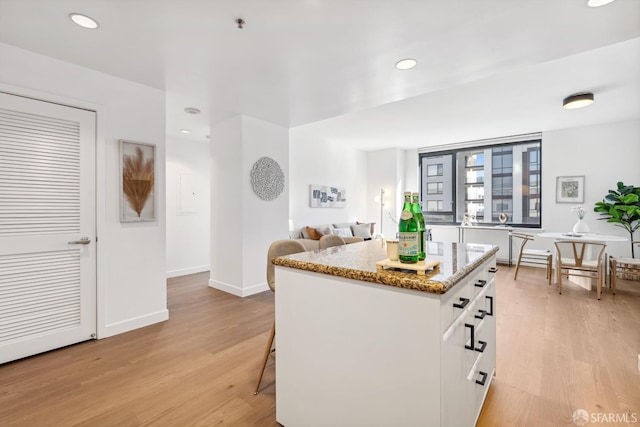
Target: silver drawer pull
{"points": [[83, 241]]}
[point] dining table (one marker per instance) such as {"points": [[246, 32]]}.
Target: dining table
{"points": [[587, 237]]}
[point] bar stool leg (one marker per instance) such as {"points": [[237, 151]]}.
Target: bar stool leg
{"points": [[266, 356]]}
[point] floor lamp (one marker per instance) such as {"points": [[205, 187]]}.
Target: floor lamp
{"points": [[380, 199]]}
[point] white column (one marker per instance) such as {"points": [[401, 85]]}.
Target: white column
{"points": [[242, 224]]}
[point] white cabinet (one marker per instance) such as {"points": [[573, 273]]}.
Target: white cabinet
{"points": [[353, 353], [468, 346]]}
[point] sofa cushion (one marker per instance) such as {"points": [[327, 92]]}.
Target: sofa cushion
{"points": [[361, 230], [349, 240], [313, 233]]}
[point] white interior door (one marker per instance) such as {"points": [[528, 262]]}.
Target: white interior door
{"points": [[47, 226]]}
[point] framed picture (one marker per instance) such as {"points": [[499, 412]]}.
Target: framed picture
{"points": [[137, 181], [570, 189], [325, 196]]}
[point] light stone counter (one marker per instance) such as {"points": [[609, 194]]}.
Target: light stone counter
{"points": [[357, 261]]}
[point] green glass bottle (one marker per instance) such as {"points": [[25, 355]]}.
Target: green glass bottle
{"points": [[409, 235], [416, 210]]}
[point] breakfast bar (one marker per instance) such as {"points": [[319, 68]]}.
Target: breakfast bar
{"points": [[361, 346]]}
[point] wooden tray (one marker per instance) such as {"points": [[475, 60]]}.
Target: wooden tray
{"points": [[420, 267]]}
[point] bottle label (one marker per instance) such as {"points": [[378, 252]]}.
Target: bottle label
{"points": [[408, 243], [406, 215]]}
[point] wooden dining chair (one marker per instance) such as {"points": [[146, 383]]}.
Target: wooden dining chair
{"points": [[532, 256], [276, 249], [571, 261], [629, 266]]}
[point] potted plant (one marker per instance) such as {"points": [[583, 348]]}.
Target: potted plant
{"points": [[622, 208]]}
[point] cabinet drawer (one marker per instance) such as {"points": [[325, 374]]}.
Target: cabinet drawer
{"points": [[464, 294], [456, 304]]}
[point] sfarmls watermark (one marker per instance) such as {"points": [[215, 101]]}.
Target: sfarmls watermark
{"points": [[581, 417]]}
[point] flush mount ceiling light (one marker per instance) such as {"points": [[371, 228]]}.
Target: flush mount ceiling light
{"points": [[191, 110], [406, 64], [185, 131], [598, 3], [84, 21], [578, 100]]}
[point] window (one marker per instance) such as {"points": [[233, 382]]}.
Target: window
{"points": [[434, 170], [484, 181], [435, 205], [435, 187]]}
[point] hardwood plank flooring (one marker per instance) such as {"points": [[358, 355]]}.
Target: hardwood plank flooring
{"points": [[555, 354]]}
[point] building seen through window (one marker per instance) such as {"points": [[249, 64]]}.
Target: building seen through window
{"points": [[483, 182]]}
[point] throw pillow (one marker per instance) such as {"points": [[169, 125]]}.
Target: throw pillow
{"points": [[362, 230], [370, 224], [344, 224], [344, 232], [325, 229], [313, 233]]}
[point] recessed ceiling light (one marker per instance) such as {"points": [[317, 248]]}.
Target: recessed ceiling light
{"points": [[598, 3], [185, 131], [406, 64], [84, 21], [191, 110], [578, 100]]}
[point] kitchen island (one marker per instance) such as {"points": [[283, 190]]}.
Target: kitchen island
{"points": [[362, 347]]}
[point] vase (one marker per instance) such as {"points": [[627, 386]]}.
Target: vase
{"points": [[580, 227]]}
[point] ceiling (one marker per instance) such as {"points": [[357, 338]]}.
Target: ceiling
{"points": [[326, 67]]}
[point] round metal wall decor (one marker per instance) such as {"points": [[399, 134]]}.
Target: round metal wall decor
{"points": [[267, 179]]}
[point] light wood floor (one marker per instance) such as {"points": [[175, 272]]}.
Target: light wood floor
{"points": [[556, 353]]}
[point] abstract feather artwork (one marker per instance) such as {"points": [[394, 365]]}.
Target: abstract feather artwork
{"points": [[137, 199]]}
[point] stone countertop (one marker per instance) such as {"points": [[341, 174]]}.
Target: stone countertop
{"points": [[357, 261]]}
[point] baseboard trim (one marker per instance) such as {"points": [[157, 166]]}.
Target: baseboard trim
{"points": [[235, 290], [135, 323], [185, 271]]}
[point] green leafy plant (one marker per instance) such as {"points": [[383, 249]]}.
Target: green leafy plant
{"points": [[622, 208]]}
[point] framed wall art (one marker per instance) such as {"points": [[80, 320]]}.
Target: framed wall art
{"points": [[325, 196], [570, 189], [137, 181]]}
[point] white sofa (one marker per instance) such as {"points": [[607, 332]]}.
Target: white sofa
{"points": [[351, 232]]}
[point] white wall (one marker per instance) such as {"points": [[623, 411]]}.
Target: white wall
{"points": [[188, 207], [412, 170], [243, 225], [327, 163], [604, 154], [386, 170], [131, 256]]}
